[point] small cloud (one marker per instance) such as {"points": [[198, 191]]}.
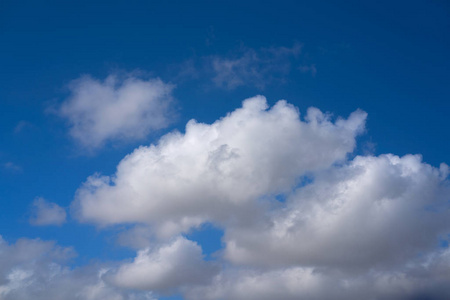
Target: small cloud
{"points": [[21, 126], [253, 67], [10, 166], [115, 109], [47, 213], [309, 69]]}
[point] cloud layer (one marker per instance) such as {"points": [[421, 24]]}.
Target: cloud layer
{"points": [[116, 109]]}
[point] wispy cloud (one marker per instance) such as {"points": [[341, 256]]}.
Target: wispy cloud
{"points": [[251, 67], [308, 69], [22, 126], [257, 68], [10, 166]]}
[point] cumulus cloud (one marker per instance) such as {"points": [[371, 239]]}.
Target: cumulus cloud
{"points": [[217, 172], [36, 269], [168, 267], [372, 212], [115, 109], [46, 213], [425, 278]]}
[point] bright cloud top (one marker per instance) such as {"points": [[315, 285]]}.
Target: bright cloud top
{"points": [[116, 109], [217, 172], [46, 213], [168, 267]]}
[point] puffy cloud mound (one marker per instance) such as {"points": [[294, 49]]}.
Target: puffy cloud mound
{"points": [[47, 213], [36, 269], [116, 109], [374, 211], [218, 172], [168, 267]]}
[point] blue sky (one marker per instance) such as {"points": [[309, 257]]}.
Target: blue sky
{"points": [[86, 83]]}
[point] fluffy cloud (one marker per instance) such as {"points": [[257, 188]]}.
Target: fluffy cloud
{"points": [[424, 278], [218, 172], [166, 268], [116, 109], [47, 213], [374, 211], [35, 269]]}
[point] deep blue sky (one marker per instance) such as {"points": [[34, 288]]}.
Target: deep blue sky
{"points": [[389, 58]]}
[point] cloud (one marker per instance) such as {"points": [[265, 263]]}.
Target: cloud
{"points": [[373, 212], [217, 172], [251, 67], [116, 109], [425, 278], [47, 213], [10, 166], [302, 219], [308, 69], [36, 269], [168, 267], [22, 126]]}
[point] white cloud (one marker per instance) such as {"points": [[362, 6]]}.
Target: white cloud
{"points": [[168, 267], [218, 172], [35, 269], [116, 109], [372, 212], [46, 213]]}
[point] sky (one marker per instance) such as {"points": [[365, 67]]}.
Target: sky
{"points": [[216, 150]]}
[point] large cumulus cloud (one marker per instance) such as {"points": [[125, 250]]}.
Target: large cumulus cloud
{"points": [[218, 172]]}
